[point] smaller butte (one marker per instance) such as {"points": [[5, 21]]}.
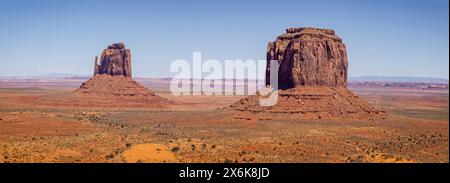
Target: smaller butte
{"points": [[112, 84]]}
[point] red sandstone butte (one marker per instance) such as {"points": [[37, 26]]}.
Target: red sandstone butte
{"points": [[112, 84], [312, 78], [309, 57], [115, 61]]}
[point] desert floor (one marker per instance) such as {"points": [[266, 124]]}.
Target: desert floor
{"points": [[199, 129]]}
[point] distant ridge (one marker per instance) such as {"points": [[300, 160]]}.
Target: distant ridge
{"points": [[399, 79], [59, 75], [359, 78]]}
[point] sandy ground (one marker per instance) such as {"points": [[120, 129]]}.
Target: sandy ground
{"points": [[198, 129]]}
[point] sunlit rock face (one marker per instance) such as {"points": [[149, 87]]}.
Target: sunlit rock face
{"points": [[115, 61], [309, 57]]}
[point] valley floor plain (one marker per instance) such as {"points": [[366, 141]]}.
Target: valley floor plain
{"points": [[202, 129]]}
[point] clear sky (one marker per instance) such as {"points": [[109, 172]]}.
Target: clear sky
{"points": [[383, 37]]}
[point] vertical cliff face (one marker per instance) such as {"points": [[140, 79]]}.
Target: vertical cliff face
{"points": [[309, 57], [115, 61]]}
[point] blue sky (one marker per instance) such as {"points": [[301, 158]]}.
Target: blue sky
{"points": [[383, 37]]}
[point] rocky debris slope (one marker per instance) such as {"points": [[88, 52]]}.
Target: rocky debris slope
{"points": [[107, 85], [312, 78], [308, 102]]}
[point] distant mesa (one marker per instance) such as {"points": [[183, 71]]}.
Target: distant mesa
{"points": [[312, 74]]}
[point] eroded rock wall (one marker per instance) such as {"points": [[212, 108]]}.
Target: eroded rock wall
{"points": [[115, 61], [309, 57]]}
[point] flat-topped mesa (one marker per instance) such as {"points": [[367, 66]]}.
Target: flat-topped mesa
{"points": [[309, 57], [310, 32], [312, 29], [312, 77], [115, 61]]}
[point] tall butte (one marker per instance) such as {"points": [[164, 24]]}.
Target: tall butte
{"points": [[312, 77], [112, 84]]}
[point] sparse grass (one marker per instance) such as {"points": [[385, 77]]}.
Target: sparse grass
{"points": [[206, 135]]}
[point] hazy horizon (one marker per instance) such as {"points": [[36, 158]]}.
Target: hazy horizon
{"points": [[384, 38], [351, 78]]}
